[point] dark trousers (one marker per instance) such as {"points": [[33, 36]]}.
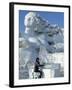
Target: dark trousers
{"points": [[40, 73]]}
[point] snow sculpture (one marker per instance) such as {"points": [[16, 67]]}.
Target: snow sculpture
{"points": [[40, 38]]}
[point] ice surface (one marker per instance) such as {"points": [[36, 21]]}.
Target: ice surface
{"points": [[42, 40]]}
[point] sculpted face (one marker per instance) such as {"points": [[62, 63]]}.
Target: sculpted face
{"points": [[30, 19]]}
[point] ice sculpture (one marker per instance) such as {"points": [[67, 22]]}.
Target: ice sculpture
{"points": [[40, 39]]}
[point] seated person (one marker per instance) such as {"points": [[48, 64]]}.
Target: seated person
{"points": [[37, 67]]}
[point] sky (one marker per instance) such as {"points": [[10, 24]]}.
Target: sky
{"points": [[52, 17]]}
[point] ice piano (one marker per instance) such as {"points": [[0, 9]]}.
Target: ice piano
{"points": [[50, 70]]}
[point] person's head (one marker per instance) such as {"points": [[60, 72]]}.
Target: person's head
{"points": [[37, 59]]}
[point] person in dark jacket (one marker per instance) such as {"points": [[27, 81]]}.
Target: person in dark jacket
{"points": [[37, 67]]}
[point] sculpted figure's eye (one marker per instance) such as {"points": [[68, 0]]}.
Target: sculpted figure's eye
{"points": [[29, 19]]}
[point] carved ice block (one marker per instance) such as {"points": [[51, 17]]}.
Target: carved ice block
{"points": [[48, 70]]}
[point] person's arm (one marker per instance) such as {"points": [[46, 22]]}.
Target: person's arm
{"points": [[41, 64]]}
